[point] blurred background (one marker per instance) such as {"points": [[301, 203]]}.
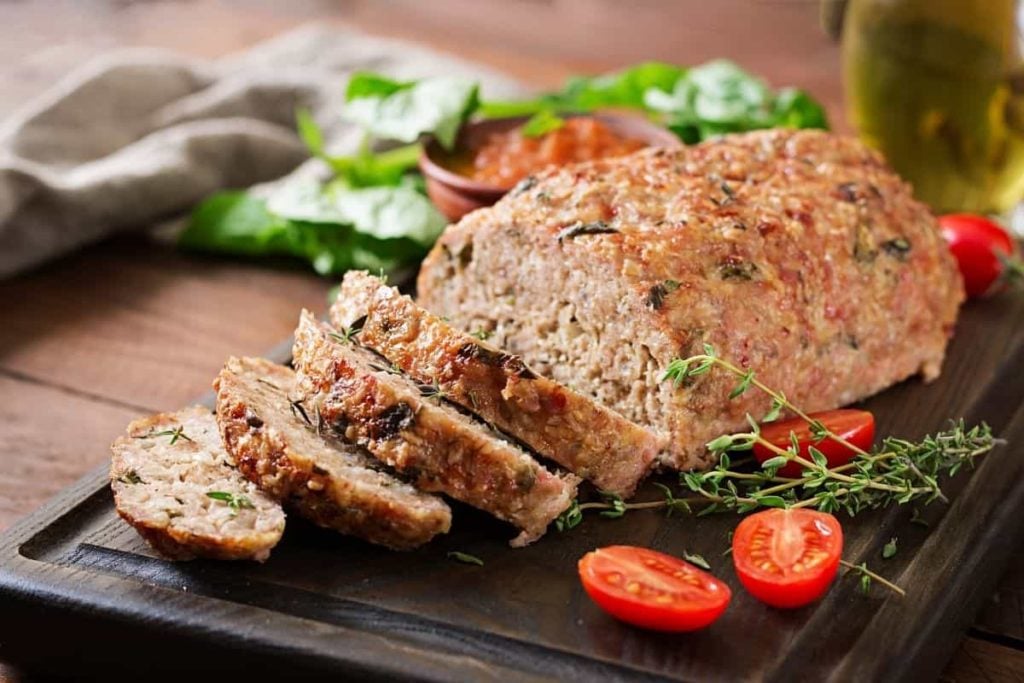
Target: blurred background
{"points": [[538, 40]]}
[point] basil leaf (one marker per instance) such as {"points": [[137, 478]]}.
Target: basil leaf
{"points": [[542, 123], [404, 111], [236, 223], [719, 97], [334, 228], [618, 89], [368, 84], [389, 212], [623, 88], [309, 132], [796, 109], [365, 169]]}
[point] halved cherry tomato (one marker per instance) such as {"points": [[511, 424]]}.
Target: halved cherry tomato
{"points": [[856, 426], [787, 558], [651, 589], [976, 243]]}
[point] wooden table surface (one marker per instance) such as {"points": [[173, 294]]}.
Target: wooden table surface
{"points": [[130, 326]]}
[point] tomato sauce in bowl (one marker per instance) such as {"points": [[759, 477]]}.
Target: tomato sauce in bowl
{"points": [[493, 155], [506, 157]]}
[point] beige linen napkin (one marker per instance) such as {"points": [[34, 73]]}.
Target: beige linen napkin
{"points": [[141, 136]]}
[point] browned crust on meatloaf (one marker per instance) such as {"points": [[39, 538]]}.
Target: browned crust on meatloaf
{"points": [[799, 254], [425, 438], [586, 438], [161, 472], [334, 484]]}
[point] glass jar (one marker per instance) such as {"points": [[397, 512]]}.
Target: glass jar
{"points": [[938, 87]]}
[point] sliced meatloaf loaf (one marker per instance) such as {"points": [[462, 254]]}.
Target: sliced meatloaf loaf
{"points": [[573, 430], [415, 431], [335, 484], [174, 482], [798, 254]]}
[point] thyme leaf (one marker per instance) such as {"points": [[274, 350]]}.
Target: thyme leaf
{"points": [[616, 506], [898, 248], [432, 391], [695, 559], [465, 558], [579, 228], [130, 477], [348, 334], [299, 411], [570, 518], [174, 434], [235, 501]]}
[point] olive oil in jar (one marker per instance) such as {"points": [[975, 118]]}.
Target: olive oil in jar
{"points": [[938, 87]]}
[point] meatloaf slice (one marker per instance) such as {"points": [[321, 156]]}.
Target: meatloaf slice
{"points": [[334, 484], [573, 430], [420, 435], [174, 482], [797, 254]]}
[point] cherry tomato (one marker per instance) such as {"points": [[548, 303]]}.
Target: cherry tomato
{"points": [[976, 243], [651, 589], [787, 558], [856, 426]]}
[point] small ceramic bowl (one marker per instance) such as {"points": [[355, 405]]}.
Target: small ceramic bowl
{"points": [[456, 195]]}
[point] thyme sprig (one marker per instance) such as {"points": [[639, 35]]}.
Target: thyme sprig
{"points": [[867, 576], [897, 471]]}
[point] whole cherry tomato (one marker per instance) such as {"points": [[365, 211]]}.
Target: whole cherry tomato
{"points": [[855, 426], [983, 251]]}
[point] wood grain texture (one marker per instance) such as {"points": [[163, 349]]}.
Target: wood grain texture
{"points": [[144, 325], [979, 661], [46, 443]]}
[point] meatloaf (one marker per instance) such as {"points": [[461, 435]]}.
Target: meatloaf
{"points": [[334, 484], [174, 482], [414, 430], [797, 254], [573, 430]]}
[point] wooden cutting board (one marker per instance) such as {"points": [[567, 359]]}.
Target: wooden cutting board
{"points": [[80, 591]]}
